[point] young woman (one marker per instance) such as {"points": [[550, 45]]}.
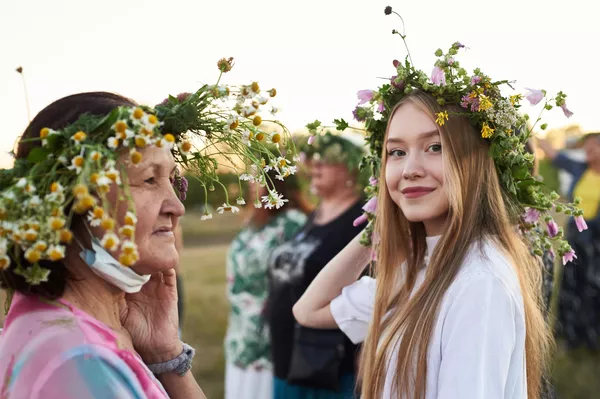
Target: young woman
{"points": [[455, 310]]}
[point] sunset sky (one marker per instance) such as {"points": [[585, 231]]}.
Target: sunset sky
{"points": [[317, 54]]}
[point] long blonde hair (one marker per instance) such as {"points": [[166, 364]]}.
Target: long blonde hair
{"points": [[477, 208]]}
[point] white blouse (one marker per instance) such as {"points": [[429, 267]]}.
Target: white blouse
{"points": [[477, 350]]}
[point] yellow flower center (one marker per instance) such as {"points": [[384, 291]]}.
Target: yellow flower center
{"points": [[33, 256], [41, 246], [276, 138], [260, 136], [136, 157], [273, 92], [234, 125], [54, 187], [186, 146], [129, 220], [78, 161], [79, 136], [109, 243], [87, 202], [127, 259], [65, 236], [153, 119], [112, 175], [31, 235], [127, 231], [55, 255], [107, 223], [80, 190], [121, 127], [96, 156], [94, 178], [129, 250], [44, 133], [169, 138], [255, 87], [138, 113], [98, 212], [140, 142], [78, 208], [57, 223], [257, 120], [4, 262]]}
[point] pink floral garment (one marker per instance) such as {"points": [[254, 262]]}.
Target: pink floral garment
{"points": [[50, 349]]}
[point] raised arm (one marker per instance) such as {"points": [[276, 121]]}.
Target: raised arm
{"points": [[561, 160], [312, 309], [547, 148]]}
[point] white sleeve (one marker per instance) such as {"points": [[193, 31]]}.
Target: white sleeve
{"points": [[478, 340], [353, 309]]}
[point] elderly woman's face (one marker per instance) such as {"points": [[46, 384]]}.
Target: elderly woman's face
{"points": [[326, 178], [157, 208]]}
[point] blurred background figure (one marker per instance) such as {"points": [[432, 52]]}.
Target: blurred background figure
{"points": [[248, 372], [548, 259], [330, 372], [579, 301]]}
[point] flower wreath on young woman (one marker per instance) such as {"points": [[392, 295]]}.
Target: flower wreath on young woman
{"points": [[495, 115]]}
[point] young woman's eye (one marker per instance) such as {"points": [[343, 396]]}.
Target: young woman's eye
{"points": [[435, 148], [151, 180], [396, 153]]}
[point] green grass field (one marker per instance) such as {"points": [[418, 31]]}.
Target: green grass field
{"points": [[203, 267]]}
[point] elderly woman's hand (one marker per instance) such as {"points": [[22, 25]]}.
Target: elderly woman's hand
{"points": [[150, 317]]}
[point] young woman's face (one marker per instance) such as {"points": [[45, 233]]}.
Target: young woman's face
{"points": [[414, 171]]}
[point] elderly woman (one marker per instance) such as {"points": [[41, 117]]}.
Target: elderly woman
{"points": [[88, 250], [329, 372]]}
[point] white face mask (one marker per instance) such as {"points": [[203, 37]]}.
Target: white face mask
{"points": [[107, 267]]}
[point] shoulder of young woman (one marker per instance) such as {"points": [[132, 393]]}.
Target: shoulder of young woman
{"points": [[487, 264]]}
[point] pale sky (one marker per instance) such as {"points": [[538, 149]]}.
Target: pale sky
{"points": [[317, 53]]}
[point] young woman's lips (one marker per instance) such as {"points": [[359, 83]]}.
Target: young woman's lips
{"points": [[416, 192]]}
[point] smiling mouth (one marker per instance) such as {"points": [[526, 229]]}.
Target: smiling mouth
{"points": [[416, 192]]}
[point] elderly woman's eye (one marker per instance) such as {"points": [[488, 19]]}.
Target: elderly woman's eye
{"points": [[151, 180]]}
